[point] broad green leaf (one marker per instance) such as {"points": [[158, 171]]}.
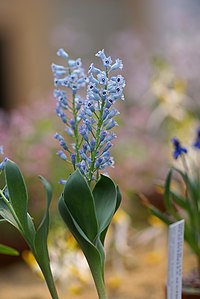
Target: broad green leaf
{"points": [[90, 251], [8, 250], [41, 235], [88, 215], [118, 202], [105, 198], [80, 203], [17, 192]]}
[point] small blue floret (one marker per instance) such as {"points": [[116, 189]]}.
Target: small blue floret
{"points": [[178, 149]]}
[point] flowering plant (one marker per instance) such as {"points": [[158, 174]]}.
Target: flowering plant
{"points": [[89, 123], [182, 197], [90, 198]]}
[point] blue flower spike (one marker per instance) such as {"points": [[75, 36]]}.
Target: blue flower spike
{"points": [[88, 120]]}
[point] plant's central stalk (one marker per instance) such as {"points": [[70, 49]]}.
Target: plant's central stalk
{"points": [[94, 153], [76, 135]]}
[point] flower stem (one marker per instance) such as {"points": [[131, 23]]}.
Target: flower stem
{"points": [[99, 125], [100, 287], [51, 286], [46, 271], [76, 128]]}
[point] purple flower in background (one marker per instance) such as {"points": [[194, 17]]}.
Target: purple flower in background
{"points": [[196, 144], [178, 148]]}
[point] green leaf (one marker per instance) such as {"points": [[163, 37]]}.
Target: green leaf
{"points": [[31, 227], [87, 215], [8, 250], [17, 192], [180, 201], [107, 201], [192, 198], [91, 253], [119, 199], [41, 235], [6, 214], [167, 193], [105, 198], [160, 215], [80, 203], [118, 202], [168, 198], [43, 228]]}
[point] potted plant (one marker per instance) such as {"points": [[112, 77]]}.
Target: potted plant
{"points": [[90, 198], [181, 196]]}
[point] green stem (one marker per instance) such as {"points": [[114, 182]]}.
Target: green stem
{"points": [[99, 125], [99, 282], [76, 135], [102, 294], [51, 286], [46, 270], [93, 155]]}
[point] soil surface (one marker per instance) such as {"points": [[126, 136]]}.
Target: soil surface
{"points": [[141, 274]]}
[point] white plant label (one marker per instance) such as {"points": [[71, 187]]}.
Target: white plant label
{"points": [[175, 258]]}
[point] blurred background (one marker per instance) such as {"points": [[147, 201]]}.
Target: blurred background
{"points": [[159, 44]]}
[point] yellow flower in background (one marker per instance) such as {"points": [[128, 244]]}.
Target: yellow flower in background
{"points": [[75, 289], [170, 99], [31, 261], [120, 216], [155, 221], [71, 242], [180, 85], [153, 257], [114, 282]]}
